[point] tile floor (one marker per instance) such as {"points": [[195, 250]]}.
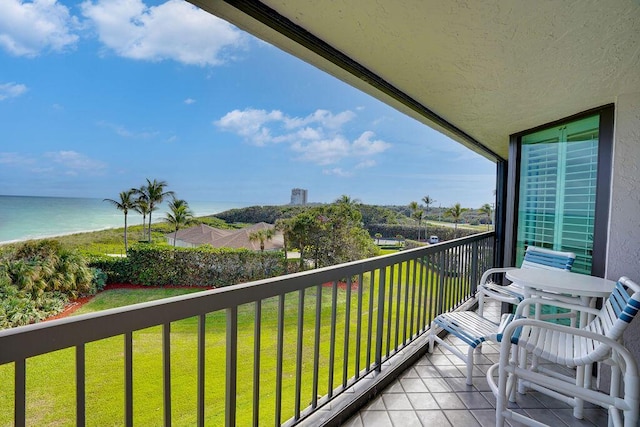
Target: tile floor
{"points": [[433, 393]]}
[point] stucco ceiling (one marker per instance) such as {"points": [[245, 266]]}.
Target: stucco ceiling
{"points": [[488, 68]]}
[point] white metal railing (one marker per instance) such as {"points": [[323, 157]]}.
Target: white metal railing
{"points": [[330, 327]]}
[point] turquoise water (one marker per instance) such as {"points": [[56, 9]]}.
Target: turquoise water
{"points": [[23, 218]]}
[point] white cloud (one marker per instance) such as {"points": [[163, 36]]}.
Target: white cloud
{"points": [[51, 163], [15, 159], [364, 146], [173, 30], [324, 151], [250, 124], [189, 101], [75, 162], [365, 164], [316, 138], [126, 133], [337, 172], [11, 90], [29, 28], [323, 118]]}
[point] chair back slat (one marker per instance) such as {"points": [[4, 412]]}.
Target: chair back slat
{"points": [[536, 257], [619, 309]]}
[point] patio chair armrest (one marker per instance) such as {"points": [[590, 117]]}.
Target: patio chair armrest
{"points": [[495, 270], [500, 292], [527, 302], [516, 325]]}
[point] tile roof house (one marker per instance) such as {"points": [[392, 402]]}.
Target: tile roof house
{"points": [[219, 238]]}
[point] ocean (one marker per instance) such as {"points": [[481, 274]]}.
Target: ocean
{"points": [[23, 217]]}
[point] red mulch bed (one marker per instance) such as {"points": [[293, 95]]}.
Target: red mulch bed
{"points": [[74, 305], [342, 285]]}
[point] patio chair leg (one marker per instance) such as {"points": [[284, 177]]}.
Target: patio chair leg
{"points": [[431, 337], [503, 393], [470, 365], [581, 381]]}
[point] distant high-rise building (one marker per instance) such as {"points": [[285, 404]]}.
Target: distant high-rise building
{"points": [[298, 196]]}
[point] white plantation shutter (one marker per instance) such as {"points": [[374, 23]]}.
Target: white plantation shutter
{"points": [[558, 174]]}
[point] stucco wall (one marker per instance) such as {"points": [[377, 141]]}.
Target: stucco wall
{"points": [[623, 257]]}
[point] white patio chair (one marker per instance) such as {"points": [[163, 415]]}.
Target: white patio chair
{"points": [[599, 341], [534, 257], [473, 328]]}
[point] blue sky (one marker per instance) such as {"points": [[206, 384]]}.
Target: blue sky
{"points": [[96, 96]]}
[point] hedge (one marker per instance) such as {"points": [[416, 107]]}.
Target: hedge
{"points": [[159, 265], [390, 231]]}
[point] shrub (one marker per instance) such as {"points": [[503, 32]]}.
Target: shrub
{"points": [[411, 231], [19, 308], [42, 266], [99, 281], [157, 265]]}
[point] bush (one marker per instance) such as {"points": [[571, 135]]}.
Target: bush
{"points": [[19, 308], [99, 280], [44, 266], [158, 265], [116, 269], [411, 231]]}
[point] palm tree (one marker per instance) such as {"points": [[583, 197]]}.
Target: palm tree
{"points": [[347, 200], [180, 216], [487, 210], [142, 206], [262, 236], [428, 201], [125, 203], [455, 212], [417, 214], [284, 225], [155, 196]]}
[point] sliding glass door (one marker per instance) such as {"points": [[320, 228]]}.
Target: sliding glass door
{"points": [[557, 190]]}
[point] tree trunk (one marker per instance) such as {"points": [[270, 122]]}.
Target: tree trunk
{"points": [[144, 226], [126, 243], [149, 239]]}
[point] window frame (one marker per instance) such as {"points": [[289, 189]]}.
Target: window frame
{"points": [[603, 185]]}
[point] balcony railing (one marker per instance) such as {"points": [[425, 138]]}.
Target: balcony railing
{"points": [[262, 353]]}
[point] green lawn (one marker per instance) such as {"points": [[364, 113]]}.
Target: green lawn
{"points": [[51, 379]]}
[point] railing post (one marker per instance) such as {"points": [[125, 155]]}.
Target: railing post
{"points": [[441, 280], [316, 347], [166, 375], [232, 366], [80, 386], [279, 360], [380, 319], [257, 328], [474, 268], [202, 320], [20, 392], [128, 379]]}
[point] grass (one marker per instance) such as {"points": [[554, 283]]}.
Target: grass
{"points": [[51, 378], [111, 241]]}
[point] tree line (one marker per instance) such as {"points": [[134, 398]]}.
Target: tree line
{"points": [[455, 213]]}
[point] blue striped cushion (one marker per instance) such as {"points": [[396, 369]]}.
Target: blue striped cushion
{"points": [[549, 260]]}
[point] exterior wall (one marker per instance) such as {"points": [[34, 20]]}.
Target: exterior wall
{"points": [[623, 255], [298, 196]]}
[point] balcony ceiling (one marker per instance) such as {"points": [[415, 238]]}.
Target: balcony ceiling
{"points": [[476, 70]]}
